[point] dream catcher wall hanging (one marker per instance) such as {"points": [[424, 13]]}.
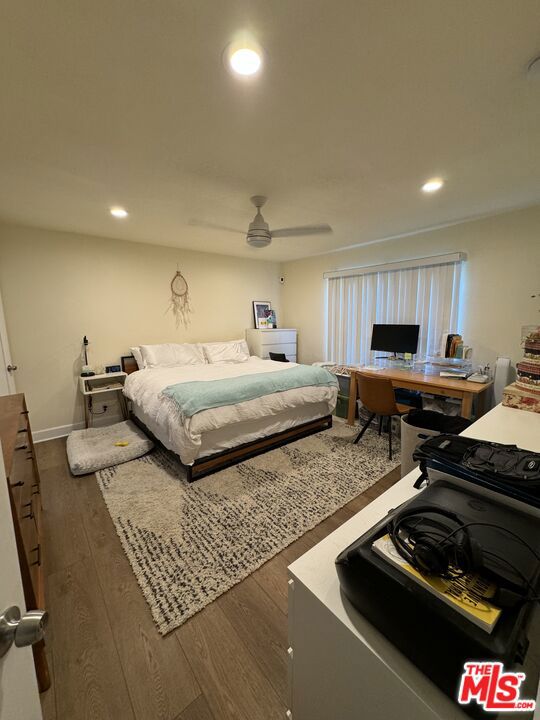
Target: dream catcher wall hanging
{"points": [[179, 304]]}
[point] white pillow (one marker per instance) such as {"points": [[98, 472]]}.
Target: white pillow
{"points": [[171, 354], [136, 352], [233, 351]]}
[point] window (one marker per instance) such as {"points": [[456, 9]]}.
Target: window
{"points": [[422, 292]]}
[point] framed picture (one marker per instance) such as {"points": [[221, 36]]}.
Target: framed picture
{"points": [[260, 312], [129, 364]]}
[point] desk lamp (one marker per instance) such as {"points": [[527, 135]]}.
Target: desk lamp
{"points": [[86, 369]]}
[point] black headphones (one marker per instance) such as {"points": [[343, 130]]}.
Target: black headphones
{"points": [[437, 542], [433, 546]]}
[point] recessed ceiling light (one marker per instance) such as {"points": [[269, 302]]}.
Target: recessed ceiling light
{"points": [[432, 185], [119, 212], [245, 61]]}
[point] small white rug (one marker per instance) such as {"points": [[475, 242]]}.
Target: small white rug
{"points": [[189, 543]]}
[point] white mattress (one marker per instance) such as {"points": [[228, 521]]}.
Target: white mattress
{"points": [[218, 429]]}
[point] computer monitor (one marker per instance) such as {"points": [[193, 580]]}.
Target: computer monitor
{"points": [[395, 338]]}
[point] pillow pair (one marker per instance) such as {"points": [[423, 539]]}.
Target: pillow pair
{"points": [[171, 354], [168, 355], [220, 353]]}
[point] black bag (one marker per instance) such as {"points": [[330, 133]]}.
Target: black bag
{"points": [[505, 461], [504, 468]]}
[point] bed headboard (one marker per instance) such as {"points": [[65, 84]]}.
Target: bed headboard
{"points": [[129, 364]]}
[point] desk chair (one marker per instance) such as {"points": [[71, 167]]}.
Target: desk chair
{"points": [[377, 396], [279, 357]]}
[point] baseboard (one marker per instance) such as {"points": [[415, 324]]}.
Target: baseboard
{"points": [[55, 432], [63, 430]]}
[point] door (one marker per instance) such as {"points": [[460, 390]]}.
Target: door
{"points": [[19, 697], [7, 381]]}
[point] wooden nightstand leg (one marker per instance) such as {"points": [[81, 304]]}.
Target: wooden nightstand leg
{"points": [[90, 413], [466, 405], [123, 404]]}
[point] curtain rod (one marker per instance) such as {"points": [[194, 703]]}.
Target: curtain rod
{"points": [[401, 265]]}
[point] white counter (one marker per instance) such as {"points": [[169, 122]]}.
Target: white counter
{"points": [[341, 667]]}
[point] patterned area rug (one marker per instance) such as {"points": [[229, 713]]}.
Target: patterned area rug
{"points": [[189, 543]]}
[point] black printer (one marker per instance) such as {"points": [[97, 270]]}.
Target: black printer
{"points": [[433, 635]]}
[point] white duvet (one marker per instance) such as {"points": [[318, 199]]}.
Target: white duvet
{"points": [[183, 434]]}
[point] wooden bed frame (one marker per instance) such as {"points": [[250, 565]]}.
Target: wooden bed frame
{"points": [[219, 461]]}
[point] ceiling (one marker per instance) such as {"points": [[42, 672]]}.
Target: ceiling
{"points": [[127, 102]]}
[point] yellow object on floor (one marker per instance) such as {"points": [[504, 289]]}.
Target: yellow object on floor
{"points": [[122, 443]]}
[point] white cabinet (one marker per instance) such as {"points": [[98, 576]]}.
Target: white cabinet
{"points": [[341, 666], [263, 342]]}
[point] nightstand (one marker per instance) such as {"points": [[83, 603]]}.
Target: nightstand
{"points": [[98, 385]]}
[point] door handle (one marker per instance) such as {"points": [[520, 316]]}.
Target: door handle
{"points": [[23, 631], [11, 368]]}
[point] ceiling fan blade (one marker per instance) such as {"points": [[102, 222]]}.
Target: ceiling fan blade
{"points": [[302, 231], [212, 226]]}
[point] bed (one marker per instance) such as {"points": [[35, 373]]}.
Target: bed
{"points": [[214, 437]]}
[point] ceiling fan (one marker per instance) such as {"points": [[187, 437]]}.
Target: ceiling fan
{"points": [[259, 234]]}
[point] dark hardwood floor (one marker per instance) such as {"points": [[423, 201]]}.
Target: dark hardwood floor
{"points": [[107, 659]]}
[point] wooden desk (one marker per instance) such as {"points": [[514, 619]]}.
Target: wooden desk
{"points": [[448, 387]]}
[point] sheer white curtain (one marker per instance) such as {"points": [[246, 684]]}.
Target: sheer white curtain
{"points": [[427, 296]]}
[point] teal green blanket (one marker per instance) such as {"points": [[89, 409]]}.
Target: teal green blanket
{"points": [[192, 397]]}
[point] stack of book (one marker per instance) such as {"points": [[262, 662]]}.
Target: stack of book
{"points": [[452, 346], [524, 393], [468, 595]]}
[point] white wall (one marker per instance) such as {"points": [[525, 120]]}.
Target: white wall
{"points": [[59, 286], [501, 273]]}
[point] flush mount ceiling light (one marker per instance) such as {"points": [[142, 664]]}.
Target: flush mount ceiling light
{"points": [[243, 57], [245, 61], [432, 185], [118, 212]]}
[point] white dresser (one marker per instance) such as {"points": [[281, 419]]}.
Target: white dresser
{"points": [[263, 342]]}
